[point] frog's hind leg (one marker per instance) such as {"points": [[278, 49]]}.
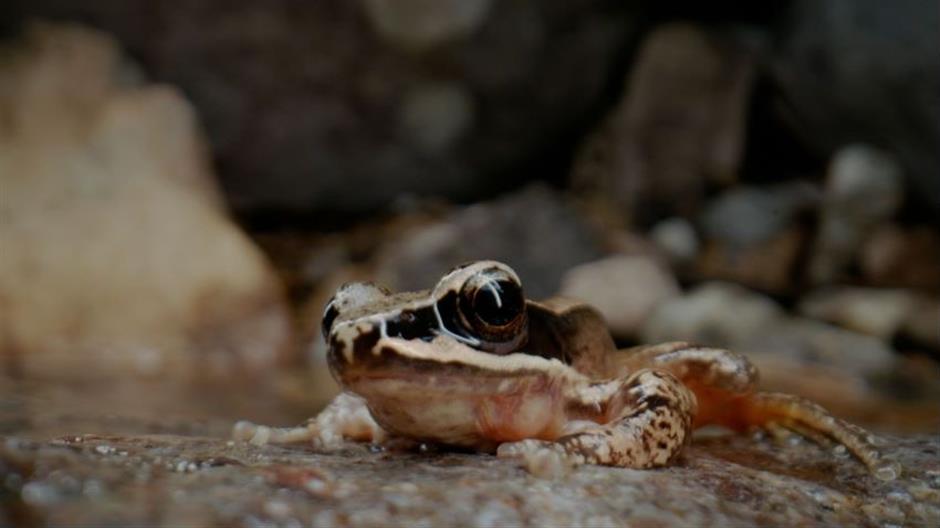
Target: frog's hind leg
{"points": [[724, 384], [648, 420], [811, 420]]}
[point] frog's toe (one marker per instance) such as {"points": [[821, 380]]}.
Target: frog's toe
{"points": [[539, 457]]}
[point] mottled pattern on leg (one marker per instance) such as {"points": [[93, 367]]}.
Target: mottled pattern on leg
{"points": [[650, 423], [650, 420], [811, 420]]}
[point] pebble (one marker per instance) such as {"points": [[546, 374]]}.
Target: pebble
{"points": [[864, 188], [877, 312], [714, 313], [676, 238], [640, 285]]}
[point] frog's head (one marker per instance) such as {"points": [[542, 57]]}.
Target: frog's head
{"points": [[475, 308]]}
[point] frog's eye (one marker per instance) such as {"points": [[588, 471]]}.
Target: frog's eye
{"points": [[492, 305], [329, 315]]}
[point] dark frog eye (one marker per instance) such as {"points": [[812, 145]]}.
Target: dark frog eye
{"points": [[329, 315], [492, 305], [497, 302]]}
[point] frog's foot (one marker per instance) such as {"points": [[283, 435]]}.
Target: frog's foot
{"points": [[541, 457], [262, 434], [346, 418], [652, 413], [771, 411]]}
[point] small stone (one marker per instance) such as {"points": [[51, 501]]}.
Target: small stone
{"points": [[863, 189], [715, 313], [809, 341], [877, 312], [747, 215], [625, 289], [677, 238], [922, 324], [420, 24], [769, 265], [899, 257]]}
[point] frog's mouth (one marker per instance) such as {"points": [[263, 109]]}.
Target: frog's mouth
{"points": [[442, 362]]}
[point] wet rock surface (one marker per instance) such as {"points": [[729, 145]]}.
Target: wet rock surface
{"points": [[132, 453], [167, 479]]}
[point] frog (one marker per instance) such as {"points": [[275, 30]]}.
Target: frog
{"points": [[473, 364]]}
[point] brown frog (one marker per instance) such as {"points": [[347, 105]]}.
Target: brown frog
{"points": [[473, 363]]}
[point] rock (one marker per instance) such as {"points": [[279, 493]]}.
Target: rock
{"points": [[678, 126], [922, 324], [876, 312], [898, 257], [807, 341], [625, 289], [770, 266], [747, 215], [127, 479], [117, 252], [863, 189], [532, 230], [677, 238], [305, 102], [865, 70], [435, 116], [419, 24], [715, 314]]}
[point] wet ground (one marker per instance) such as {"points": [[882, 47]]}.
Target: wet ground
{"points": [[135, 453]]}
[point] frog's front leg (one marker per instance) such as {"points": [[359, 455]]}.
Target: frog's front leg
{"points": [[346, 418], [639, 422], [724, 384]]}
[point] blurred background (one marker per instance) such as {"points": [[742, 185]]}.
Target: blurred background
{"points": [[184, 184]]}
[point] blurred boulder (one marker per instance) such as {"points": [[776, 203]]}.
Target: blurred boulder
{"points": [[900, 257], [117, 251], [730, 316], [881, 312], [676, 237], [863, 190], [715, 313], [752, 235], [624, 288], [865, 70], [533, 230], [678, 126], [423, 24], [340, 106], [746, 215], [807, 341], [872, 311], [770, 265]]}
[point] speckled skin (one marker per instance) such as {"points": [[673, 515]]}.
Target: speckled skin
{"points": [[549, 382]]}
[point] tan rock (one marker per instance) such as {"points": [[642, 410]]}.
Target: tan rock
{"points": [[903, 257], [679, 126], [872, 311], [116, 250], [625, 289], [768, 265]]}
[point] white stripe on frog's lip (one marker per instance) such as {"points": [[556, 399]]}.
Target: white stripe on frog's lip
{"points": [[457, 354]]}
